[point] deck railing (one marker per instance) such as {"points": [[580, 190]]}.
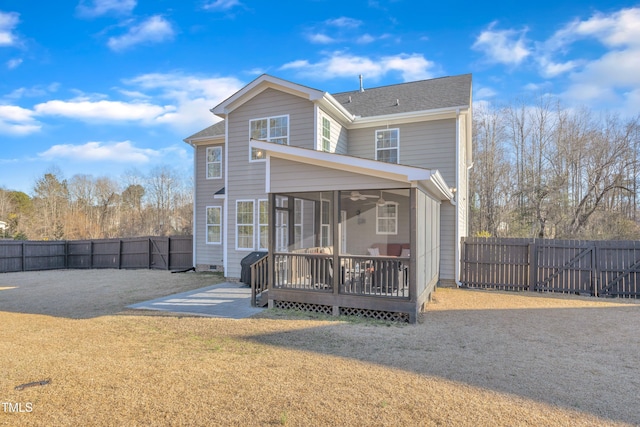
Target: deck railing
{"points": [[357, 275], [375, 276], [259, 278]]}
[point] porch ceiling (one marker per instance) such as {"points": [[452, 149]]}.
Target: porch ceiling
{"points": [[431, 180]]}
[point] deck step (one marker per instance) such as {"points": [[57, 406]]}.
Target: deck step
{"points": [[262, 299]]}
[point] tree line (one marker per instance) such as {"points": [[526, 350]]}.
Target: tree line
{"points": [[545, 171], [86, 207]]}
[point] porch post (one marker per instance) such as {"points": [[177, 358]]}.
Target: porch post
{"points": [[413, 241], [271, 266], [335, 241]]}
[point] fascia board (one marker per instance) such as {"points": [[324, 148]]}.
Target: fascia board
{"points": [[400, 173], [204, 140], [408, 117], [259, 85]]}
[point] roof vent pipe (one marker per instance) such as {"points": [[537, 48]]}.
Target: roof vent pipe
{"points": [[361, 86]]}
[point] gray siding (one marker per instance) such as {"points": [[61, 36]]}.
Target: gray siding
{"points": [[316, 178], [339, 134], [430, 145], [246, 180], [206, 254]]}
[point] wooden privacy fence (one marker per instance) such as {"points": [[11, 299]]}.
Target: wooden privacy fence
{"points": [[162, 253], [587, 267]]}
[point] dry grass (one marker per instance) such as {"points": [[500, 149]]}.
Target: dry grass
{"points": [[478, 358]]}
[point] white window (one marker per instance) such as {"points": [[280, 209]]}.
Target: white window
{"points": [[388, 145], [263, 225], [272, 129], [214, 224], [214, 162], [244, 224], [387, 218], [326, 134]]}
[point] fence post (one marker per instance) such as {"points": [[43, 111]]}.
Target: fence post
{"points": [[533, 265], [594, 270], [24, 257]]}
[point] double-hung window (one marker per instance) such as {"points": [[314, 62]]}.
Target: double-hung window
{"points": [[388, 145], [326, 134], [387, 218], [214, 162], [214, 224], [263, 224], [272, 129], [244, 224]]}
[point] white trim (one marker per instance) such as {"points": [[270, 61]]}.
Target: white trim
{"points": [[430, 179], [258, 248], [194, 231], [389, 233], [259, 85], [206, 225], [269, 138], [253, 224], [397, 147], [207, 162], [225, 216], [410, 116]]}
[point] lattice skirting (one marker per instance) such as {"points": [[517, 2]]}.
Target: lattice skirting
{"points": [[344, 311], [303, 306], [375, 314]]}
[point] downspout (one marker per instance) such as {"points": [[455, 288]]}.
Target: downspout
{"points": [[194, 203], [456, 197], [225, 204]]}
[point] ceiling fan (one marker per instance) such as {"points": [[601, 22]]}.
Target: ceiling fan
{"points": [[356, 195], [379, 202]]}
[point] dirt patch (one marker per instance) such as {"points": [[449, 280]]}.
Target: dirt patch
{"points": [[82, 294], [477, 358]]}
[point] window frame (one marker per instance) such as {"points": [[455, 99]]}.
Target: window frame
{"points": [[208, 224], [242, 224], [269, 137], [208, 163], [326, 134], [394, 217], [261, 246], [396, 148]]}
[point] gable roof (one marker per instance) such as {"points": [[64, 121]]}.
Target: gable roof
{"points": [[213, 131], [432, 94]]}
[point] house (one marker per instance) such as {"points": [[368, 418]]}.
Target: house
{"points": [[359, 198]]}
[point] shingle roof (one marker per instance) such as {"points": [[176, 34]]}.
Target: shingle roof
{"points": [[444, 92], [212, 131]]}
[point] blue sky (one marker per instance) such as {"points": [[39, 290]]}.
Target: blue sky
{"points": [[103, 87]]}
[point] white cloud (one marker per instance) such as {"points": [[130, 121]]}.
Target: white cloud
{"points": [[320, 38], [14, 63], [96, 8], [484, 92], [103, 110], [122, 152], [16, 120], [339, 64], [610, 78], [221, 5], [154, 30], [507, 47], [8, 22], [193, 96], [343, 22]]}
